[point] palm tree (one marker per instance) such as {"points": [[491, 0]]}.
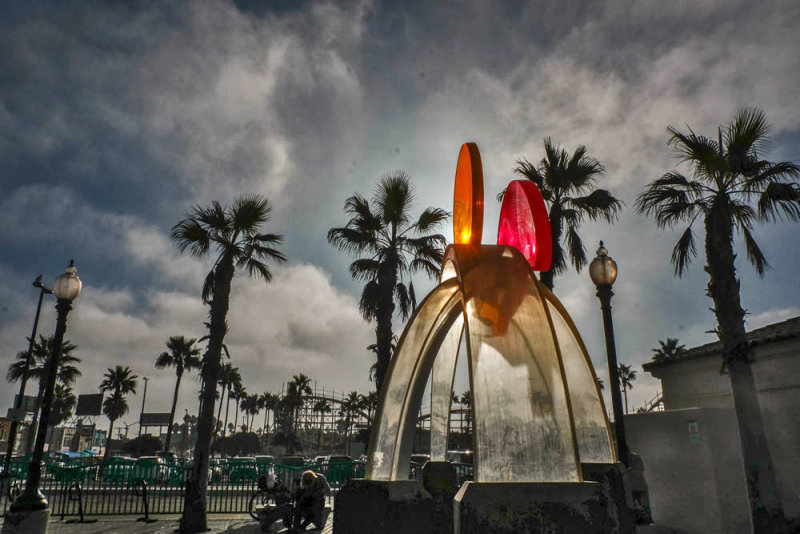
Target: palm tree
{"points": [[667, 349], [37, 365], [567, 184], [237, 395], [466, 400], [249, 405], [626, 379], [119, 381], [228, 375], [183, 356], [64, 402], [296, 392], [235, 233], [395, 247], [348, 410], [732, 188], [321, 407]]}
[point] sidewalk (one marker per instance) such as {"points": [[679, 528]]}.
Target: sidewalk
{"points": [[232, 524]]}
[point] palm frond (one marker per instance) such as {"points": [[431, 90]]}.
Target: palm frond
{"points": [[698, 150], [258, 269], [684, 252], [577, 253], [403, 300], [431, 268], [248, 212], [364, 269], [189, 234], [599, 204], [527, 170], [351, 240], [768, 173], [754, 254], [779, 200], [393, 197], [370, 297], [430, 219], [208, 287], [746, 136]]}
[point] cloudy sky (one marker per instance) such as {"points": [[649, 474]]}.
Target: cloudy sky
{"points": [[115, 118]]}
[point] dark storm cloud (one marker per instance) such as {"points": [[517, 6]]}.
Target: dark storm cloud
{"points": [[116, 118]]}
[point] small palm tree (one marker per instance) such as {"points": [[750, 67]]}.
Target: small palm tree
{"points": [[64, 402], [567, 183], [296, 392], [37, 365], [120, 381], [236, 234], [321, 407], [626, 379], [395, 247], [348, 411], [238, 393], [183, 355], [667, 349], [731, 187], [466, 400], [229, 376]]}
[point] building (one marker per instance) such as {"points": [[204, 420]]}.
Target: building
{"points": [[5, 431], [691, 449]]}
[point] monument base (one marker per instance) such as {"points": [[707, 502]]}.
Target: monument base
{"points": [[368, 506], [551, 508], [26, 521]]}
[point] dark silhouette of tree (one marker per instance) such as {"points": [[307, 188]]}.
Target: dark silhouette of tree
{"points": [[626, 378], [235, 232], [119, 381], [667, 349], [394, 247], [183, 355], [567, 183]]}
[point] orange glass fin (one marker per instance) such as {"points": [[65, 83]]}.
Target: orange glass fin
{"points": [[468, 197]]}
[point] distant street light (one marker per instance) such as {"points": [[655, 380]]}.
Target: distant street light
{"points": [[30, 512], [603, 272], [18, 413]]}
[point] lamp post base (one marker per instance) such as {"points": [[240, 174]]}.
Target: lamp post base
{"points": [[26, 521]]}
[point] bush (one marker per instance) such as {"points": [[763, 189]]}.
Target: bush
{"points": [[243, 443]]}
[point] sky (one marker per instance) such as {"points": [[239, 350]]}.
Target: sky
{"points": [[117, 118]]}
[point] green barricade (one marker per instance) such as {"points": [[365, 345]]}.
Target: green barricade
{"points": [[116, 470], [147, 468], [340, 471], [242, 469]]}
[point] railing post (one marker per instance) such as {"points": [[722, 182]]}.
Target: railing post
{"points": [[75, 493], [141, 483]]}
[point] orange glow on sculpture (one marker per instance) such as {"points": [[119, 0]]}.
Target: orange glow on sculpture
{"points": [[468, 197]]}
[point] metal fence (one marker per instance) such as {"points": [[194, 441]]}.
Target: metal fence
{"points": [[130, 487]]}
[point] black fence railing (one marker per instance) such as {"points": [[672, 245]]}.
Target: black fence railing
{"points": [[135, 487]]}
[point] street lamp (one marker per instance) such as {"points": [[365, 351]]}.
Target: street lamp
{"points": [[30, 512], [603, 272], [18, 412]]}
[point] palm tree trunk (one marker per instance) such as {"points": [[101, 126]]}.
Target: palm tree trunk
{"points": [[227, 406], [264, 428], [766, 509], [34, 423], [547, 277], [108, 439], [625, 393], [383, 329], [221, 402], [194, 517], [172, 412], [236, 417]]}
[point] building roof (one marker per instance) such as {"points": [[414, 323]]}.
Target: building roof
{"points": [[788, 329]]}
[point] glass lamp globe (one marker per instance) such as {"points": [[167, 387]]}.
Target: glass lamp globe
{"points": [[67, 285], [603, 269]]}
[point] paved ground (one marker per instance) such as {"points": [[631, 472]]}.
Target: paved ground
{"points": [[229, 524]]}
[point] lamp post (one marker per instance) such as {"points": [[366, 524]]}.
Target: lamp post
{"points": [[30, 512], [603, 272], [21, 396]]}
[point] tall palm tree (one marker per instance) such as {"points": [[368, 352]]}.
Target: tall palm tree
{"points": [[249, 405], [120, 381], [237, 395], [394, 247], [667, 349], [228, 376], [567, 183], [296, 392], [37, 368], [183, 355], [321, 407], [235, 232], [731, 188], [626, 379], [64, 402]]}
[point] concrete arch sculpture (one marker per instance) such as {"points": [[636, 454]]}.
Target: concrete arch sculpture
{"points": [[537, 409]]}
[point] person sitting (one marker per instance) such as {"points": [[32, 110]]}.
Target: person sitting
{"points": [[310, 501]]}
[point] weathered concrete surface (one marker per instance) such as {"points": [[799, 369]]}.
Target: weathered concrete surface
{"points": [[441, 481], [369, 506], [26, 522], [537, 508]]}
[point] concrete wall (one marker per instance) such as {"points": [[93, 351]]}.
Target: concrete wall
{"points": [[698, 383], [694, 474]]}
